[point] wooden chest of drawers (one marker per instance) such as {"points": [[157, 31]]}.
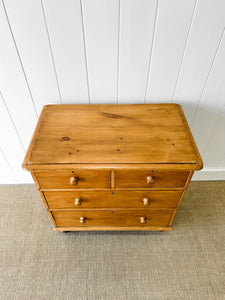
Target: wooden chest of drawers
{"points": [[112, 167]]}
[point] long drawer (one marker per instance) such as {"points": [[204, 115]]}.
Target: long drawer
{"points": [[112, 218], [150, 179], [73, 179], [112, 199]]}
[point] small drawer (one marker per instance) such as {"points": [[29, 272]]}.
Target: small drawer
{"points": [[150, 179], [112, 199], [73, 179], [112, 218]]}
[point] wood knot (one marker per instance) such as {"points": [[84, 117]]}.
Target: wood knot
{"points": [[109, 115]]}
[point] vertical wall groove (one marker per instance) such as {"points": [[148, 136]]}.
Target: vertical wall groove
{"points": [[118, 58], [20, 60], [207, 77], [151, 49], [85, 49], [51, 50], [184, 51], [11, 118]]}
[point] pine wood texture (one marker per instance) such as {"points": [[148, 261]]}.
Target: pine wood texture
{"points": [[112, 199], [98, 134], [112, 218], [138, 179], [114, 228], [62, 179], [112, 167]]}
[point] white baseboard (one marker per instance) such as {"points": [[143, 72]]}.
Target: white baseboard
{"points": [[24, 177]]}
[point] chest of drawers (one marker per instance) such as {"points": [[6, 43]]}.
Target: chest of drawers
{"points": [[112, 167]]}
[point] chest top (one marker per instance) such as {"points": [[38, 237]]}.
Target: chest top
{"points": [[155, 135]]}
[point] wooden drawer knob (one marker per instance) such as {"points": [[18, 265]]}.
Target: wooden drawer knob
{"points": [[142, 220], [146, 201], [150, 179], [77, 201], [74, 180], [82, 220]]}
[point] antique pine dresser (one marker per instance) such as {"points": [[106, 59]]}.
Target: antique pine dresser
{"points": [[112, 167]]}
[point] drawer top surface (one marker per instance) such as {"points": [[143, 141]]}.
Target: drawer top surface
{"points": [[112, 134]]}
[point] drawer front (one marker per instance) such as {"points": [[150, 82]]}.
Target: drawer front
{"points": [[78, 180], [112, 218], [145, 179], [112, 199]]}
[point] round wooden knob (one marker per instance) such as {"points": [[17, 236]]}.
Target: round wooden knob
{"points": [[142, 220], [73, 180], [146, 201], [150, 179], [82, 220], [77, 201]]}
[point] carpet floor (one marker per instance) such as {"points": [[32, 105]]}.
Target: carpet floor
{"points": [[185, 263]]}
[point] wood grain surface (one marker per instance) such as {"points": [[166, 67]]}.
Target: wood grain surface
{"points": [[62, 179], [112, 199], [112, 167], [112, 218], [138, 179], [143, 134]]}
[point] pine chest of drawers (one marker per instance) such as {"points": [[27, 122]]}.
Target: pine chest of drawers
{"points": [[112, 167]]}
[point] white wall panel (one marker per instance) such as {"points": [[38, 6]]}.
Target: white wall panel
{"points": [[4, 165], [109, 51], [13, 85], [101, 26], [11, 151], [10, 142], [222, 163], [4, 168], [137, 23], [171, 32], [215, 149], [66, 35], [29, 29], [212, 101], [205, 34]]}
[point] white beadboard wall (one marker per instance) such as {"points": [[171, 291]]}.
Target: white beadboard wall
{"points": [[114, 51]]}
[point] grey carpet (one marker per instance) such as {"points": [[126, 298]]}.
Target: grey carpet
{"points": [[186, 263]]}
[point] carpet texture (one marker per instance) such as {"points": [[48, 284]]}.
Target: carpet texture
{"points": [[185, 263]]}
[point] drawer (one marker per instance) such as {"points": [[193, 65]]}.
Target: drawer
{"points": [[73, 179], [150, 179], [112, 218], [112, 199]]}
